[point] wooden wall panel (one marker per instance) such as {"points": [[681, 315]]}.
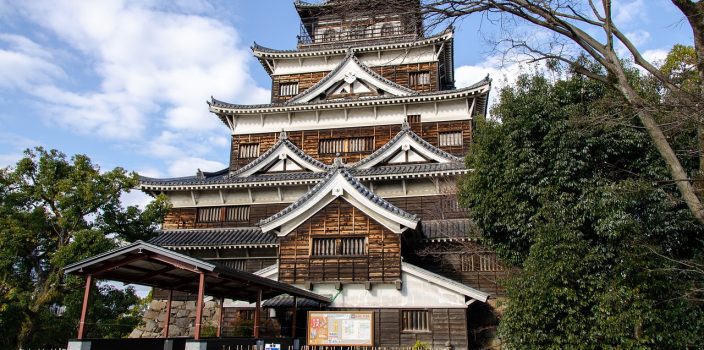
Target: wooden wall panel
{"points": [[432, 207], [308, 141], [381, 264], [185, 218]]}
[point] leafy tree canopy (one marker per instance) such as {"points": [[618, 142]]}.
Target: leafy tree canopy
{"points": [[583, 204], [55, 211]]}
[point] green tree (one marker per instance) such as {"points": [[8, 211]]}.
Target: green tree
{"points": [[55, 211], [587, 210]]}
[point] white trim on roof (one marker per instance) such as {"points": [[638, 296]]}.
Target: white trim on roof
{"points": [[444, 282], [405, 144], [337, 186], [282, 153]]}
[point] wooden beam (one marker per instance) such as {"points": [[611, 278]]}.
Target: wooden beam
{"points": [[115, 264], [84, 308], [167, 319], [295, 315], [222, 198], [154, 274], [199, 307], [257, 313], [219, 333]]}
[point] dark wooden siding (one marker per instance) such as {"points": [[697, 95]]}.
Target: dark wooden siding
{"points": [[432, 207], [308, 141], [184, 218], [338, 219]]}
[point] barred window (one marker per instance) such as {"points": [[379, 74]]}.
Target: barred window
{"points": [[388, 29], [211, 214], [414, 118], [237, 264], [481, 262], [249, 150], [415, 320], [353, 144], [452, 138], [331, 146], [238, 213], [329, 35], [339, 246], [358, 32], [419, 78], [219, 214], [288, 89]]}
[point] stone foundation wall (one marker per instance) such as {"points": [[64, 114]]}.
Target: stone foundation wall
{"points": [[182, 323]]}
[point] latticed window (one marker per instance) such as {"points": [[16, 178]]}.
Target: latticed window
{"points": [[288, 89], [238, 213], [418, 78], [358, 32], [415, 320], [249, 150], [388, 29], [237, 264], [484, 261], [414, 118], [219, 214], [339, 246], [452, 138], [353, 144], [211, 214], [329, 35]]}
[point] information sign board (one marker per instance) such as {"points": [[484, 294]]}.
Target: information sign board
{"points": [[341, 328]]}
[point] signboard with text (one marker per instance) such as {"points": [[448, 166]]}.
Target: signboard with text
{"points": [[335, 328]]}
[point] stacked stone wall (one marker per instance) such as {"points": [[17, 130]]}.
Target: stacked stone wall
{"points": [[182, 320]]}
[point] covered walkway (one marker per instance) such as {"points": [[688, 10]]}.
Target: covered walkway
{"points": [[146, 264]]}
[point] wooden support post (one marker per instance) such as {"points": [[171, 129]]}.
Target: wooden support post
{"points": [[257, 314], [199, 307], [167, 319], [222, 302], [84, 309], [295, 316]]}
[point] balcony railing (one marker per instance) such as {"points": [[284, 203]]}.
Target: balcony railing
{"points": [[350, 32]]}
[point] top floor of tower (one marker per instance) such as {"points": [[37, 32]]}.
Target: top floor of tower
{"points": [[357, 22]]}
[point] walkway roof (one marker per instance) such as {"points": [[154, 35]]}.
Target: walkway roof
{"points": [[146, 264]]}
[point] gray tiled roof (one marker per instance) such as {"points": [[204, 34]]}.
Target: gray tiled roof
{"points": [[406, 130], [352, 181], [237, 236], [221, 104], [413, 168], [194, 180], [283, 142], [449, 228], [286, 301]]}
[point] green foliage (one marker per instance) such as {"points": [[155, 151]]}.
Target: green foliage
{"points": [[584, 206], [53, 212], [421, 345]]}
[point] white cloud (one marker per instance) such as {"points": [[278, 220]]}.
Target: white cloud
{"points": [[656, 56], [24, 63], [148, 60], [628, 12], [14, 145], [135, 197], [187, 166]]}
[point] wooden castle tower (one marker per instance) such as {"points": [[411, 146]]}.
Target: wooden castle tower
{"points": [[345, 184]]}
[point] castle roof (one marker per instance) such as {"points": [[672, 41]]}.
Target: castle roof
{"points": [[238, 237], [339, 183]]}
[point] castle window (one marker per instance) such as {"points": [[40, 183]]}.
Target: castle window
{"points": [[349, 246], [237, 264], [249, 150], [352, 144], [415, 321], [419, 78], [388, 29], [415, 118], [221, 214], [288, 89], [451, 138], [238, 213], [481, 262], [211, 214], [329, 35], [358, 32]]}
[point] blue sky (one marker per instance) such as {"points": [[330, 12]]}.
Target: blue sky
{"points": [[125, 82]]}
